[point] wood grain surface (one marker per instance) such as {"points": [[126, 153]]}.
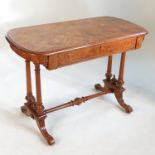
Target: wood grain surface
{"points": [[57, 37]]}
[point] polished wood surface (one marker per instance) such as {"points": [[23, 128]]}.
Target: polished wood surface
{"points": [[59, 37], [60, 44]]}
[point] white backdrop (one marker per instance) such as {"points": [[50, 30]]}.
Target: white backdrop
{"points": [[98, 127]]}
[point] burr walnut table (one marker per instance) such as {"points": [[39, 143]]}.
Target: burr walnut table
{"points": [[64, 43]]}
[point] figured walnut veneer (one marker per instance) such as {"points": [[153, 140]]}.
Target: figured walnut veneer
{"points": [[64, 43], [59, 44]]}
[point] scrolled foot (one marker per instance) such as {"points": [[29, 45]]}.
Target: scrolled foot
{"points": [[126, 107], [50, 140], [41, 124], [99, 87]]}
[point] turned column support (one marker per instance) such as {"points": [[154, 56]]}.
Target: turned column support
{"points": [[35, 109], [121, 70], [114, 85], [109, 68], [118, 91], [29, 95], [39, 105]]}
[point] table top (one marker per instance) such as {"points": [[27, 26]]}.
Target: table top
{"points": [[70, 35]]}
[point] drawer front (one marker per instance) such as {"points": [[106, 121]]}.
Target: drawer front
{"points": [[79, 55]]}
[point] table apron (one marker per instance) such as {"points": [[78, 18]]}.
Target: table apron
{"points": [[61, 59], [96, 51]]}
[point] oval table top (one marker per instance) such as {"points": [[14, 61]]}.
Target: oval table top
{"points": [[69, 35]]}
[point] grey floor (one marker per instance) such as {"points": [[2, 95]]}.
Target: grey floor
{"points": [[95, 128]]}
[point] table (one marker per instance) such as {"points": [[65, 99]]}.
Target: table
{"points": [[59, 44]]}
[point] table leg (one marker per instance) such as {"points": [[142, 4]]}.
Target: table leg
{"points": [[39, 105], [115, 85], [29, 97], [34, 107], [119, 91], [108, 76], [109, 68], [40, 117]]}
